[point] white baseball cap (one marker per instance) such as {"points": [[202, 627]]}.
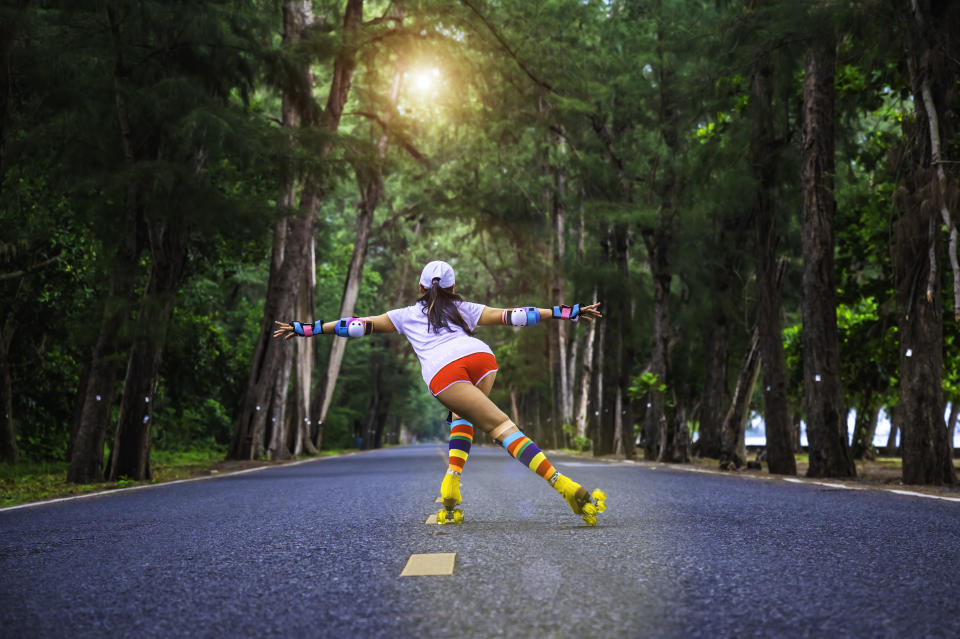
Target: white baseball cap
{"points": [[437, 268]]}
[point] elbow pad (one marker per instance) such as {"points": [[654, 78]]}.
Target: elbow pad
{"points": [[309, 329], [353, 327], [523, 316], [563, 311]]}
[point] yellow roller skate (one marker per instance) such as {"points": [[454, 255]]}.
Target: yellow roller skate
{"points": [[581, 502], [450, 495]]}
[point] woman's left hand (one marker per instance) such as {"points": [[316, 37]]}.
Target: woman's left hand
{"points": [[590, 312]]}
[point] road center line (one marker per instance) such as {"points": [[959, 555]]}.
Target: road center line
{"points": [[429, 564]]}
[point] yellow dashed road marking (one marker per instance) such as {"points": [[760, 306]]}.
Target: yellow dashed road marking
{"points": [[432, 519], [438, 563]]}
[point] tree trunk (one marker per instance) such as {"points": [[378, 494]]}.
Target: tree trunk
{"points": [[14, 14], [130, 454], [933, 76], [923, 442], [9, 453], [681, 434], [864, 430], [923, 445], [92, 413], [715, 392], [303, 359], [99, 383], [666, 187], [297, 16], [599, 390], [733, 449], [931, 55], [764, 151], [658, 440], [715, 383], [351, 290], [619, 448], [891, 449], [823, 395], [282, 430], [560, 330], [571, 377], [586, 376], [625, 351], [952, 425], [370, 184], [278, 431], [269, 355]]}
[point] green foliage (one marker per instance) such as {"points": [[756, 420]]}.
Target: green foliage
{"points": [[644, 384], [581, 444], [579, 107]]}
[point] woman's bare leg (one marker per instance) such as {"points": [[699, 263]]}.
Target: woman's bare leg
{"points": [[472, 403]]}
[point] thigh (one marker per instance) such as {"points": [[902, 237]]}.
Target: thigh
{"points": [[471, 402], [485, 385]]}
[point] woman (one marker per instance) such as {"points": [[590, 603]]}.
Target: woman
{"points": [[460, 369]]}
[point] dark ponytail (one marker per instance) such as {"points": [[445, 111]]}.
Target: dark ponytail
{"points": [[440, 307]]}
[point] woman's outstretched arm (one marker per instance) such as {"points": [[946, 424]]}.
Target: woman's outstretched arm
{"points": [[493, 316], [344, 327]]}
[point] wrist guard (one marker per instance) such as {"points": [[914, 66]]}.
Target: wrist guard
{"points": [[563, 311], [523, 316], [353, 327], [309, 329]]}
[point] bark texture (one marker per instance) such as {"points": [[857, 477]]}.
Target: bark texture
{"points": [[103, 368], [9, 453], [715, 384], [586, 377], [823, 394], [764, 153], [733, 453], [95, 395], [269, 357], [130, 453], [930, 55], [864, 430]]}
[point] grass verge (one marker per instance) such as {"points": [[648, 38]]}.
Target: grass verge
{"points": [[29, 482]]}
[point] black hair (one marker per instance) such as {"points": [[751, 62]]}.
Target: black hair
{"points": [[440, 307]]}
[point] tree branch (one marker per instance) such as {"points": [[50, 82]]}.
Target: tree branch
{"points": [[406, 144], [15, 274], [506, 47]]}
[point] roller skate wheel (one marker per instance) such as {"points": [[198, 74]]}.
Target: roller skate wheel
{"points": [[458, 516], [589, 510], [600, 498], [591, 520], [442, 517]]}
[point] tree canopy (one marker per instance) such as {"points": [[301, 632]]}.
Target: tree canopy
{"points": [[174, 173]]}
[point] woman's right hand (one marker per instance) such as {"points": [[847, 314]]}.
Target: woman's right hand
{"points": [[285, 330]]}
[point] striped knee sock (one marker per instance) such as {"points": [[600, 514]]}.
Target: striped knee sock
{"points": [[461, 437], [526, 452]]}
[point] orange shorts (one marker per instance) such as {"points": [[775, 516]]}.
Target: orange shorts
{"points": [[471, 368]]}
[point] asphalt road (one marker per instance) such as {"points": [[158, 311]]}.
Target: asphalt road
{"points": [[316, 550]]}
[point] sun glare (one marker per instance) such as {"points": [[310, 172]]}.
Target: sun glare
{"points": [[425, 81]]}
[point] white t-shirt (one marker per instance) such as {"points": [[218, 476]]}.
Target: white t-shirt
{"points": [[436, 350]]}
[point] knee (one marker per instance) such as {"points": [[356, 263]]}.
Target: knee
{"points": [[500, 432]]}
